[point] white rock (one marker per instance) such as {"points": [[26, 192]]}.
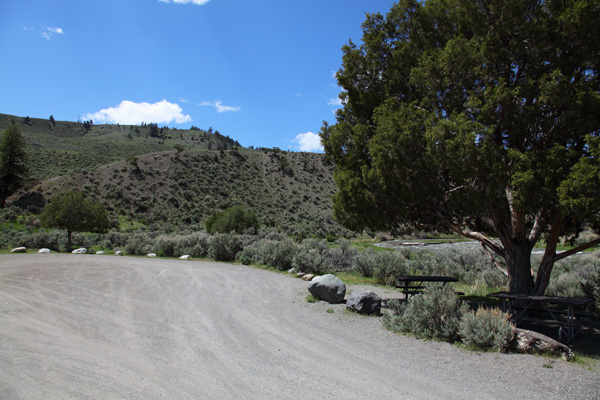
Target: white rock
{"points": [[19, 250], [81, 250], [44, 250], [100, 252], [151, 255], [118, 253], [185, 257]]}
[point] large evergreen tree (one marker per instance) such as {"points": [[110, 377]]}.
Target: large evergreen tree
{"points": [[479, 116], [13, 162]]}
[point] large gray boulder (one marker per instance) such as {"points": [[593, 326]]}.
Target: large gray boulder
{"points": [[328, 287], [81, 250], [364, 303]]}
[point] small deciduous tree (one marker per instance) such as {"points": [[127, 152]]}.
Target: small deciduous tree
{"points": [[74, 213], [13, 162]]}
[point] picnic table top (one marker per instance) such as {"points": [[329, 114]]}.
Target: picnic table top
{"points": [[425, 278], [576, 301]]}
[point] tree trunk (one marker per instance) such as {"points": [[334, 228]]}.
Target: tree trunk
{"points": [[518, 261], [69, 241]]}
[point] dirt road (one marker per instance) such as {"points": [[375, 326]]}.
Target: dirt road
{"points": [[104, 327]]}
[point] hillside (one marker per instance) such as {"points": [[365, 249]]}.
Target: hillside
{"points": [[64, 147], [145, 184]]}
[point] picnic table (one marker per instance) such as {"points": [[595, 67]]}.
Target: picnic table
{"points": [[519, 304], [414, 284]]}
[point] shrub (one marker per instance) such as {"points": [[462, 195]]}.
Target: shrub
{"points": [[486, 328], [389, 265], [365, 263], [195, 244], [139, 244], [224, 247], [436, 313], [567, 284], [272, 253], [165, 245], [117, 239], [311, 261], [342, 257], [282, 255], [591, 290], [234, 219]]}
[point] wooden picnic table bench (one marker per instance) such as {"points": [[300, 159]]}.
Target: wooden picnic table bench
{"points": [[414, 284], [520, 304]]}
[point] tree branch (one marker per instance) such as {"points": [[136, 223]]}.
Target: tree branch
{"points": [[481, 238], [538, 227], [577, 249], [550, 252], [503, 233], [496, 263]]}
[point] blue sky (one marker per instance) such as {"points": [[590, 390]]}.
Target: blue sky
{"points": [[260, 71]]}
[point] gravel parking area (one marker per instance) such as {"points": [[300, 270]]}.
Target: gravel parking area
{"points": [[107, 327]]}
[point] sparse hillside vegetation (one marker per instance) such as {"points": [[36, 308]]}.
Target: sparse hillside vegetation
{"points": [[63, 147], [160, 179]]}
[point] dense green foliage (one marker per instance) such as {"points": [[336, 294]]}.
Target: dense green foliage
{"points": [[13, 162], [234, 219], [74, 213], [482, 117]]}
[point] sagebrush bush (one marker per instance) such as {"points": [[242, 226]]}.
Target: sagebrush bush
{"points": [[388, 265], [567, 284], [224, 247], [436, 313], [311, 261], [165, 245], [139, 244], [365, 263], [272, 253], [195, 244], [282, 255], [342, 257], [382, 265], [486, 328], [591, 290]]}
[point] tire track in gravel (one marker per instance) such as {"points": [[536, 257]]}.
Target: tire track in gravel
{"points": [[118, 327]]}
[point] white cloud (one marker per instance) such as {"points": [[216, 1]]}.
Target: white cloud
{"points": [[308, 142], [47, 33], [197, 2], [335, 102], [218, 105], [130, 113]]}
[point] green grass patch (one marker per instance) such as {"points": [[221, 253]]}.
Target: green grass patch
{"points": [[354, 278], [362, 245], [311, 299]]}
